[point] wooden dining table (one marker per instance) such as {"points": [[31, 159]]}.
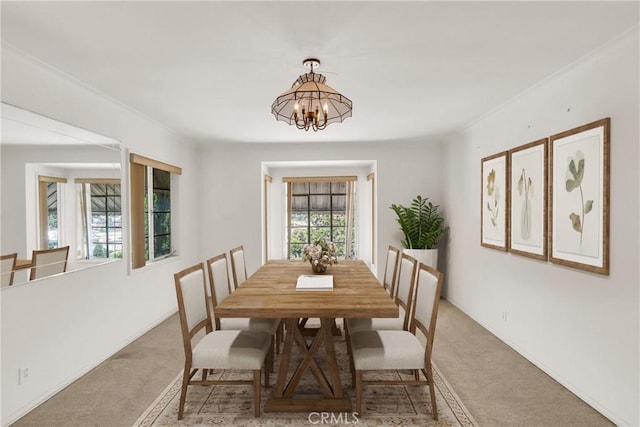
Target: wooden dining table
{"points": [[271, 293]]}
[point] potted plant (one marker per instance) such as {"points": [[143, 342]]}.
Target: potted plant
{"points": [[421, 225]]}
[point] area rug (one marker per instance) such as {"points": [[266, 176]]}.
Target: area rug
{"points": [[383, 405]]}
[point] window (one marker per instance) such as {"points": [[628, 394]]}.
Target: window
{"points": [[101, 218], [151, 217], [49, 211], [321, 208]]}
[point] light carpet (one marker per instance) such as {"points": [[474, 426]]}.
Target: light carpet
{"points": [[383, 405]]}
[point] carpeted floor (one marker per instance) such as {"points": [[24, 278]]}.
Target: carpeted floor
{"points": [[497, 385], [382, 405]]}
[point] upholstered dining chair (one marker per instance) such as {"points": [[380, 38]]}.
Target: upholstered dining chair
{"points": [[7, 265], [391, 270], [403, 296], [47, 262], [238, 266], [218, 349], [376, 350], [219, 289]]}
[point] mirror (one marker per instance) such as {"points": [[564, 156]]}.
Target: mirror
{"points": [[60, 186]]}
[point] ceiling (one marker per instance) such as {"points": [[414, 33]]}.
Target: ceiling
{"points": [[414, 70]]}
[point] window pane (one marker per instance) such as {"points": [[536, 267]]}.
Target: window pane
{"points": [[339, 203], [98, 219], [320, 232], [320, 188], [296, 251], [339, 187], [161, 179], [299, 235], [299, 219], [319, 203], [161, 200], [99, 235], [162, 245], [99, 251], [299, 203], [338, 235], [300, 188], [321, 219], [161, 223], [339, 219]]}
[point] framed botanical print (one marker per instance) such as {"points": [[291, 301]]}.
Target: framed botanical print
{"points": [[494, 201], [527, 217], [579, 197]]}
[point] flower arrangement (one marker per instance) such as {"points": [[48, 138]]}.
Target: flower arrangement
{"points": [[321, 254]]}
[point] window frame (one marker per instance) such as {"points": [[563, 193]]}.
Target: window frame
{"points": [[138, 169], [349, 207], [43, 209], [87, 204]]}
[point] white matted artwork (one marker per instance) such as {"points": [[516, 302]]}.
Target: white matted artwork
{"points": [[528, 200], [494, 205], [579, 197]]}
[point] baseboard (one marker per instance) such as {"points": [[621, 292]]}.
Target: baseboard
{"points": [[589, 400], [24, 410]]}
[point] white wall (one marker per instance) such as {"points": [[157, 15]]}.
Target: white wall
{"points": [[61, 327], [581, 328], [232, 176]]}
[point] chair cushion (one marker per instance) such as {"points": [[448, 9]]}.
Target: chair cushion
{"points": [[250, 324], [373, 350], [231, 350], [356, 325]]}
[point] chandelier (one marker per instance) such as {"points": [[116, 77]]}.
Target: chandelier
{"points": [[310, 103]]}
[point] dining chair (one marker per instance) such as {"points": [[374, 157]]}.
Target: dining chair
{"points": [[391, 270], [47, 262], [377, 350], [7, 266], [408, 266], [238, 266], [219, 289], [217, 349]]}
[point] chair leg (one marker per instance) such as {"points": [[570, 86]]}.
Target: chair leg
{"points": [[359, 392], [256, 393], [183, 392], [271, 356], [204, 374], [432, 391]]}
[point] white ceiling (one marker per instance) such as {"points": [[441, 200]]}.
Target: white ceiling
{"points": [[414, 70]]}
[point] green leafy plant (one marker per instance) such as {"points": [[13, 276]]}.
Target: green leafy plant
{"points": [[421, 223]]}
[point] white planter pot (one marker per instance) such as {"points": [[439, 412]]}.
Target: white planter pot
{"points": [[425, 256]]}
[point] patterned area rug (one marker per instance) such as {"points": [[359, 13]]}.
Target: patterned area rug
{"points": [[383, 405]]}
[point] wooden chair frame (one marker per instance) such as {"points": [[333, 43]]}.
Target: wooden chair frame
{"points": [[13, 256], [235, 268], [391, 287], [187, 336], [429, 333], [38, 253]]}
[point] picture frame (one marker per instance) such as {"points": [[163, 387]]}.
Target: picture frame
{"points": [[579, 197], [528, 198], [494, 195]]}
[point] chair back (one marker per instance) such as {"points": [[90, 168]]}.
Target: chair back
{"points": [[391, 270], [47, 262], [238, 266], [219, 287], [429, 287], [405, 283], [191, 291], [7, 265]]}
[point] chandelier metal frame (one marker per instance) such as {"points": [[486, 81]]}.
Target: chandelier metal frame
{"points": [[311, 103]]}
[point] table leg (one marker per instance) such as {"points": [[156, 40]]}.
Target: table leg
{"points": [[284, 398]]}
